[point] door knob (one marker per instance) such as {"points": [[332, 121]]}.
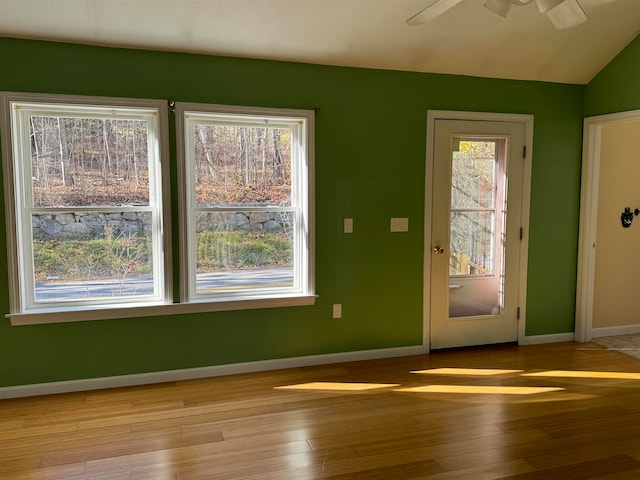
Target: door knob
{"points": [[438, 249]]}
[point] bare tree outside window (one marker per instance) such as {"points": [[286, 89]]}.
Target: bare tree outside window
{"points": [[88, 162], [239, 165]]}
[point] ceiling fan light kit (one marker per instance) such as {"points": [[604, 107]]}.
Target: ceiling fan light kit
{"points": [[562, 13]]}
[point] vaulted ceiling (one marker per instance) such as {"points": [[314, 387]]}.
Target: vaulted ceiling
{"points": [[468, 39]]}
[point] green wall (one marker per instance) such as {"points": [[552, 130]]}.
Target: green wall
{"points": [[617, 87], [370, 136]]}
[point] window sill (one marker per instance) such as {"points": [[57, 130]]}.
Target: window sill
{"points": [[135, 311]]}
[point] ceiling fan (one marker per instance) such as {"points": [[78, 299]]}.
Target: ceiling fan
{"points": [[562, 13]]}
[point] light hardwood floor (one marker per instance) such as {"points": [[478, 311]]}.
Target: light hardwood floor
{"points": [[561, 411]]}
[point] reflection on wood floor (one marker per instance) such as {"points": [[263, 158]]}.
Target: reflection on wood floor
{"points": [[559, 411]]}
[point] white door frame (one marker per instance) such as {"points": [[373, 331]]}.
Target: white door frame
{"points": [[432, 116], [591, 146]]}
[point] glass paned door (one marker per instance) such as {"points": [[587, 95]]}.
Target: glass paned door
{"points": [[475, 232]]}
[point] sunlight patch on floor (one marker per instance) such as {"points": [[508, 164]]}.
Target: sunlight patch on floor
{"points": [[584, 374], [467, 371], [467, 389], [479, 389], [339, 386]]}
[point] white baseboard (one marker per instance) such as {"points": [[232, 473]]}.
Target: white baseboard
{"points": [[202, 372], [611, 331], [553, 338]]}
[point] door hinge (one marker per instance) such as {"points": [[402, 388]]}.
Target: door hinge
{"points": [[518, 314], [521, 233], [524, 151]]}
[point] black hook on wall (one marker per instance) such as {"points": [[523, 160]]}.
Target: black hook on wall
{"points": [[627, 216]]}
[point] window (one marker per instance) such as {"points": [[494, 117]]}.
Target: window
{"points": [[247, 179], [84, 195], [87, 195]]}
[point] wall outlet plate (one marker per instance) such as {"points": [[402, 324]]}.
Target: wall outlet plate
{"points": [[337, 310]]}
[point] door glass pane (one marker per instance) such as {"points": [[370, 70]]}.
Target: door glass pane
{"points": [[473, 175], [475, 228], [471, 251]]}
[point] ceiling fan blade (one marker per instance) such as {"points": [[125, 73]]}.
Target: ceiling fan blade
{"points": [[501, 7], [545, 5], [432, 11], [567, 14]]}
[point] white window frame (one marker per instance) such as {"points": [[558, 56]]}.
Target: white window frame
{"points": [[302, 124], [16, 109]]}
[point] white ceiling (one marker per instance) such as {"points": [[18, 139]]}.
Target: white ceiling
{"points": [[468, 39]]}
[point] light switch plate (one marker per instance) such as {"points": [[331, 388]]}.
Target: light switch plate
{"points": [[399, 224], [348, 225], [337, 310]]}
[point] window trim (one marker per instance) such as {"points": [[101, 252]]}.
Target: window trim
{"points": [[12, 140], [141, 311], [305, 293]]}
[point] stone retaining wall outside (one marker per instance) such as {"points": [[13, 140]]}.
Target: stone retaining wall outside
{"points": [[82, 225]]}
